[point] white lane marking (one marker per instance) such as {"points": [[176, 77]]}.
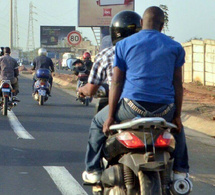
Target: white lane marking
{"points": [[64, 181], [17, 126]]}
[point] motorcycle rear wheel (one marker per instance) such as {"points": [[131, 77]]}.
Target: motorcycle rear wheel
{"points": [[150, 183], [5, 106], [41, 100], [87, 102]]}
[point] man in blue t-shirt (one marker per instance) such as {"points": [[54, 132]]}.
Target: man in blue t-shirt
{"points": [[148, 76]]}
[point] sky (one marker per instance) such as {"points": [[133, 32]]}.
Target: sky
{"points": [[187, 18]]}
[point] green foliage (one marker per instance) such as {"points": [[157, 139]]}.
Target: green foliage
{"points": [[166, 17], [194, 38]]}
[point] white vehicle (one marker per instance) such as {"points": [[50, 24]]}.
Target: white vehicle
{"points": [[67, 56]]}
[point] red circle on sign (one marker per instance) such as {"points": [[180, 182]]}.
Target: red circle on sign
{"points": [[74, 38]]}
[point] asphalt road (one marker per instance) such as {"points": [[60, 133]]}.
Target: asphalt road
{"points": [[45, 155]]}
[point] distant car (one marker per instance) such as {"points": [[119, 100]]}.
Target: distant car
{"points": [[70, 61], [65, 57]]}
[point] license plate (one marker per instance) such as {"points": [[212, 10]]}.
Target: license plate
{"points": [[5, 90], [42, 92]]}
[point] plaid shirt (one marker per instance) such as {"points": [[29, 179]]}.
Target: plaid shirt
{"points": [[101, 71]]}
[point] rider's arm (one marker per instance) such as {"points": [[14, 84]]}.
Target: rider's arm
{"points": [[51, 66], [88, 89], [177, 83], [115, 90], [16, 69], [34, 64]]}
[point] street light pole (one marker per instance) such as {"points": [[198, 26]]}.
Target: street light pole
{"points": [[11, 24]]}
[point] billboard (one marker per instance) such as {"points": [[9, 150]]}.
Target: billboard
{"points": [[55, 36], [100, 12]]}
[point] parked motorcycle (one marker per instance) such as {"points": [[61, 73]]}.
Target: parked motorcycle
{"points": [[7, 99], [42, 86]]}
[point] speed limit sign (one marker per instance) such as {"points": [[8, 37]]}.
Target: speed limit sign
{"points": [[74, 38]]}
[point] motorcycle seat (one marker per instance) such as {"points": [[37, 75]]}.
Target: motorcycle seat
{"points": [[144, 122]]}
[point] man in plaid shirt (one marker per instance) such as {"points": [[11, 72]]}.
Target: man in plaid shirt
{"points": [[100, 73], [123, 25]]}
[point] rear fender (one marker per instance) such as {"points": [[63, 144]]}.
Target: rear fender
{"points": [[138, 161], [5, 94]]}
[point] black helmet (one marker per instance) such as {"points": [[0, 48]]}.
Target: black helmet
{"points": [[124, 24], [77, 62]]}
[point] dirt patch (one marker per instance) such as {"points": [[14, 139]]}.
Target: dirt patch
{"points": [[69, 78], [199, 100]]}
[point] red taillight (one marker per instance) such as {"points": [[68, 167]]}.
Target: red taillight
{"points": [[5, 85], [82, 76], [129, 140], [163, 140], [42, 83]]}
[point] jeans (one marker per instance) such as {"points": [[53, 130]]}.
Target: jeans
{"points": [[124, 112]]}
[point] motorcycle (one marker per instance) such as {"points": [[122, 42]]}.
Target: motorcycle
{"points": [[81, 81], [82, 73], [42, 86], [7, 99], [137, 158]]}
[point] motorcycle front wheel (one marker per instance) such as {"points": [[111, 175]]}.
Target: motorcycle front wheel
{"points": [[41, 100], [5, 106]]}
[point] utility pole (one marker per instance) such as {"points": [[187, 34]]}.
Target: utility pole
{"points": [[30, 39], [11, 24], [16, 29]]}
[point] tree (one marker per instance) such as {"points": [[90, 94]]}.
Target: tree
{"points": [[194, 38], [166, 17]]}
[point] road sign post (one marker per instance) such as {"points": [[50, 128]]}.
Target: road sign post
{"points": [[74, 38]]}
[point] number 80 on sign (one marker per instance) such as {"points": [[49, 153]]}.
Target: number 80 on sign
{"points": [[74, 38]]}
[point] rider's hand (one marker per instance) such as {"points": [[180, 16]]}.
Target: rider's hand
{"points": [[107, 124], [178, 123], [80, 93]]}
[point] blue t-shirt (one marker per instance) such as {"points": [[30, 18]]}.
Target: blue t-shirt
{"points": [[149, 59]]}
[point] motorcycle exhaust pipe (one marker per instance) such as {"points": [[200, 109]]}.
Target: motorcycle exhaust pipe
{"points": [[181, 187]]}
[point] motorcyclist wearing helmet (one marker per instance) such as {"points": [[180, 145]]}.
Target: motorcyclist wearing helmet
{"points": [[123, 24], [42, 61], [9, 69], [87, 60], [78, 66], [101, 73]]}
